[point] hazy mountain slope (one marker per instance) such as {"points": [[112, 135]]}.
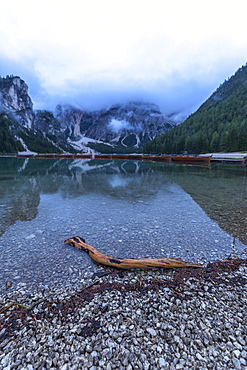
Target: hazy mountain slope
{"points": [[122, 127], [127, 125], [220, 124]]}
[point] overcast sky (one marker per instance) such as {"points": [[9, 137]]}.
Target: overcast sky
{"points": [[94, 53]]}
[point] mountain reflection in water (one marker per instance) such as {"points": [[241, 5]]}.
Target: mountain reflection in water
{"points": [[219, 191], [23, 180]]}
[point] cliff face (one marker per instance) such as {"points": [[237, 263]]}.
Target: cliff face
{"points": [[127, 125], [34, 131], [15, 99]]}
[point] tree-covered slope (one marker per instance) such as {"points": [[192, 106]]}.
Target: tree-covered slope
{"points": [[8, 142], [220, 124]]}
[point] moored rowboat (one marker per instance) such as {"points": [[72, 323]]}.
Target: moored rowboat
{"points": [[45, 155], [103, 156], [83, 155], [25, 155], [191, 158], [65, 155]]}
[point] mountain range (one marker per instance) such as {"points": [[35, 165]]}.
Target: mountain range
{"points": [[220, 124], [120, 128]]}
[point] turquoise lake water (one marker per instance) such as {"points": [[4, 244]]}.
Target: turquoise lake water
{"points": [[123, 208]]}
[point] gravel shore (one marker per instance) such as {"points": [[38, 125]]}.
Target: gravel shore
{"points": [[173, 319]]}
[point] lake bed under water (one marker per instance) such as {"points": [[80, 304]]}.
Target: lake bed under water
{"points": [[123, 208]]}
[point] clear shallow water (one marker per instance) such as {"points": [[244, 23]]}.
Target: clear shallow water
{"points": [[123, 208]]}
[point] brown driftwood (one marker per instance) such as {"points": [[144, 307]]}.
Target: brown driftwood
{"points": [[128, 263]]}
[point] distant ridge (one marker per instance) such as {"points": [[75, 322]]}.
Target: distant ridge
{"points": [[219, 125], [122, 127]]}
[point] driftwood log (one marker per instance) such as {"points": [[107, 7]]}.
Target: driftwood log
{"points": [[128, 263]]}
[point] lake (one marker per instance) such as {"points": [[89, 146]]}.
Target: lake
{"points": [[123, 208]]}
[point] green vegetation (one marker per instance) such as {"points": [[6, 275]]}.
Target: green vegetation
{"points": [[34, 140], [37, 143], [45, 119], [130, 140], [118, 149], [8, 143], [219, 125]]}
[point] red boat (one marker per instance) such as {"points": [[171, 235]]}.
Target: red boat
{"points": [[119, 156], [135, 156], [103, 156], [45, 156], [161, 158], [191, 158], [83, 155], [25, 156], [66, 155]]}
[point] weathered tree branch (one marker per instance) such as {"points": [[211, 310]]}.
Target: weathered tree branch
{"points": [[128, 263]]}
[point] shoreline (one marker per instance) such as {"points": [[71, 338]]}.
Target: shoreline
{"points": [[188, 318], [215, 155]]}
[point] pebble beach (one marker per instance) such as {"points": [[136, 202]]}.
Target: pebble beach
{"points": [[142, 319]]}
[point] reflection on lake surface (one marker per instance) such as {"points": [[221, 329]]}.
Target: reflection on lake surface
{"points": [[123, 208]]}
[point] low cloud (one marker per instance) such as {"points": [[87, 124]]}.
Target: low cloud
{"points": [[100, 62], [116, 125]]}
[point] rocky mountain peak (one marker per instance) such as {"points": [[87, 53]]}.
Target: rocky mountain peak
{"points": [[128, 125], [15, 99]]}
